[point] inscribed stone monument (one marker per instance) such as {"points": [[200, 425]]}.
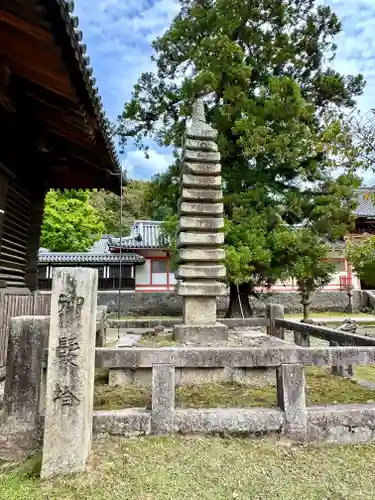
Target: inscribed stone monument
{"points": [[70, 372], [200, 237]]}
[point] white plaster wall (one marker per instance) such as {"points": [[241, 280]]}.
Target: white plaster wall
{"points": [[172, 279], [142, 273]]}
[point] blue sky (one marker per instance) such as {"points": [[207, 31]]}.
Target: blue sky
{"points": [[118, 35]]}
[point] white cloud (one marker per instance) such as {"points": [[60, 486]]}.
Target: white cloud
{"points": [[356, 43], [139, 167]]}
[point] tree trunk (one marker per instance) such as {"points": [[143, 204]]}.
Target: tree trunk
{"points": [[350, 301], [305, 304], [239, 304]]}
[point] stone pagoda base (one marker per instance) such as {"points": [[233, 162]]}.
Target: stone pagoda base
{"points": [[201, 333]]}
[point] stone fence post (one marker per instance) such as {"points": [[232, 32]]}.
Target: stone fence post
{"points": [[70, 371], [342, 370], [26, 342], [292, 400], [274, 311], [101, 332], [163, 397]]}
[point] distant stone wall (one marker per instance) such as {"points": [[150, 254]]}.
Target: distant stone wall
{"points": [[169, 304]]}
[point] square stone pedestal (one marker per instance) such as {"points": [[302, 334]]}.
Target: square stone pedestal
{"points": [[201, 333]]}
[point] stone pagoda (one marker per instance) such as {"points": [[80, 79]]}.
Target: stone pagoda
{"points": [[200, 237]]}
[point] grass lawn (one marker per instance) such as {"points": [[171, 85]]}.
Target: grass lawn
{"points": [[322, 388], [198, 468]]}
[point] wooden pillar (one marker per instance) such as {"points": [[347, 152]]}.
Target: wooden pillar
{"points": [[4, 177], [36, 219]]}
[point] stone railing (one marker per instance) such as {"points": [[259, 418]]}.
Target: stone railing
{"points": [[277, 326], [292, 417], [25, 393]]}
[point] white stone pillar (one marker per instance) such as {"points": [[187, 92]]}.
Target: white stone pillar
{"points": [[200, 236], [70, 372]]}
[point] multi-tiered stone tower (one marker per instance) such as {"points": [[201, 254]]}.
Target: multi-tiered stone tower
{"points": [[200, 237]]}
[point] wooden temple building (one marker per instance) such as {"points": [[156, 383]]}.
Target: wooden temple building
{"points": [[53, 132]]}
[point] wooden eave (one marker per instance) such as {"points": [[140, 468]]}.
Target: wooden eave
{"points": [[45, 78]]}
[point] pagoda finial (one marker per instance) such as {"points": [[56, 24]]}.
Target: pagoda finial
{"points": [[198, 111]]}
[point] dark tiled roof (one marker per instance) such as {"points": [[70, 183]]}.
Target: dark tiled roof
{"points": [[145, 234], [366, 205], [55, 257], [61, 11]]}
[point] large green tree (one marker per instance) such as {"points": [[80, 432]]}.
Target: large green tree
{"points": [[134, 207], [277, 105], [361, 255], [71, 223]]}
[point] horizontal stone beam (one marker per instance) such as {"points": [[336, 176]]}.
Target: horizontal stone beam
{"points": [[331, 423], [149, 323], [210, 357], [328, 334]]}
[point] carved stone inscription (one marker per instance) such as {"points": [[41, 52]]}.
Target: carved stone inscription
{"points": [[70, 373], [67, 349]]}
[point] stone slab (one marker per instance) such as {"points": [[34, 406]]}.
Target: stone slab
{"points": [[200, 333], [339, 424], [201, 255], [70, 371], [201, 132], [292, 399], [131, 422], [201, 181], [201, 239], [128, 340], [200, 223], [163, 398], [201, 288], [199, 310], [201, 168], [26, 343], [211, 357], [190, 208], [228, 420], [204, 156], [201, 271], [200, 195], [200, 144]]}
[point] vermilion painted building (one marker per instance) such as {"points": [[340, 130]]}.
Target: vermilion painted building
{"points": [[144, 257]]}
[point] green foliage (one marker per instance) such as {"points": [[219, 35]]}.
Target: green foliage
{"points": [[134, 207], [70, 223], [305, 256], [277, 107], [169, 228], [361, 255]]}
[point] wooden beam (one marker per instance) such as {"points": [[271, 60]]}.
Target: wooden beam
{"points": [[36, 61], [26, 26]]}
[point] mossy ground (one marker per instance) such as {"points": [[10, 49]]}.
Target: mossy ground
{"points": [[322, 388]]}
